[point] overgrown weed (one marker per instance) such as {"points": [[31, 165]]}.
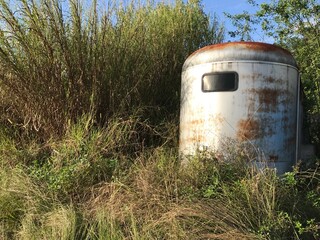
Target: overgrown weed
{"points": [[153, 196]]}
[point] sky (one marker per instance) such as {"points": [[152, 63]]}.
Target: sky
{"points": [[234, 7]]}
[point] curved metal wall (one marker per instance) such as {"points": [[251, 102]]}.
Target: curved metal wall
{"points": [[261, 114]]}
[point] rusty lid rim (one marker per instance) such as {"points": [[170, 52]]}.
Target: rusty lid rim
{"points": [[255, 51]]}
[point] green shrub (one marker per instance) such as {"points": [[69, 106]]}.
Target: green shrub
{"points": [[88, 154]]}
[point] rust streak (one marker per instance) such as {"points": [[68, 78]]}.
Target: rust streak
{"points": [[248, 129], [270, 79], [268, 98], [256, 46]]}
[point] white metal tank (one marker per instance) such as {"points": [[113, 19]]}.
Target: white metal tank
{"points": [[241, 92]]}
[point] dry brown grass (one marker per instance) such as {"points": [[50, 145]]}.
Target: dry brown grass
{"points": [[152, 196]]}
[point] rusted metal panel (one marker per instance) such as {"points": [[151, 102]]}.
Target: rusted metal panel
{"points": [[256, 46], [240, 51], [261, 112], [248, 129]]}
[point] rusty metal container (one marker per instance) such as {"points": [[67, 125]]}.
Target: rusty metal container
{"points": [[241, 94]]}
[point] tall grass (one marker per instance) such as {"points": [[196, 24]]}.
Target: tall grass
{"points": [[60, 59]]}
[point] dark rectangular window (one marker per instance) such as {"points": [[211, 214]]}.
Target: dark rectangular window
{"points": [[220, 82]]}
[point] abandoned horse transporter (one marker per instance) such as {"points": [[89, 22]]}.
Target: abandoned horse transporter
{"points": [[242, 94]]}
